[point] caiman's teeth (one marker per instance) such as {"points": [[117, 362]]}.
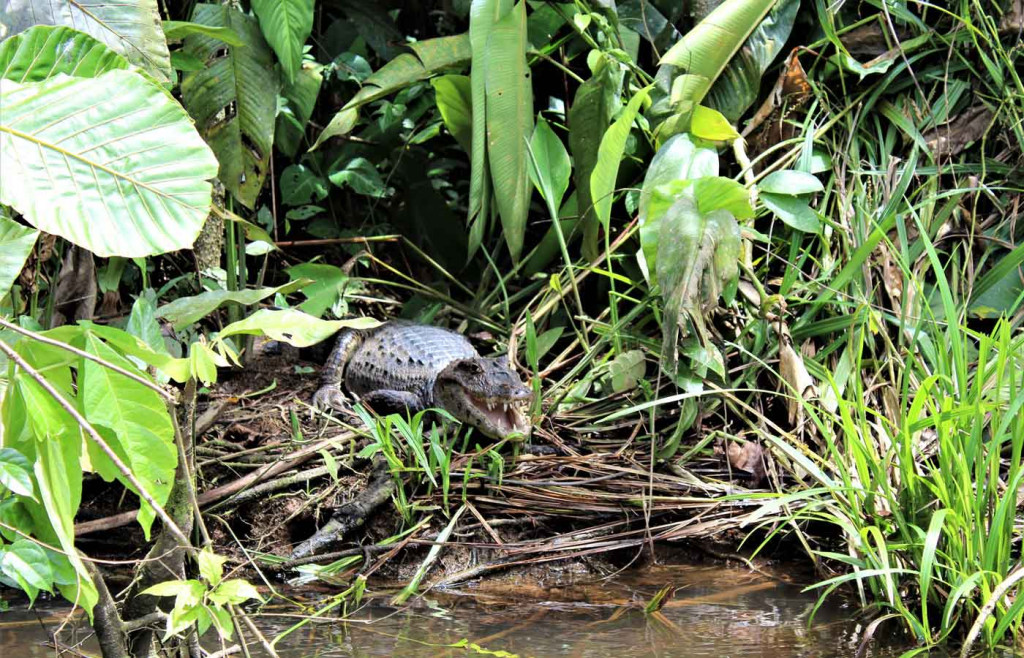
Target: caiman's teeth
{"points": [[504, 407]]}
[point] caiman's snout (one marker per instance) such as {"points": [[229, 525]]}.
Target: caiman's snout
{"points": [[488, 395]]}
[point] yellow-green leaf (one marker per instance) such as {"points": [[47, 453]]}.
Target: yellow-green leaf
{"points": [[609, 155]]}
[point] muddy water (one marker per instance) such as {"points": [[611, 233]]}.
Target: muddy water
{"points": [[713, 611]]}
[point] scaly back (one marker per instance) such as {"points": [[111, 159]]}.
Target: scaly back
{"points": [[404, 356]]}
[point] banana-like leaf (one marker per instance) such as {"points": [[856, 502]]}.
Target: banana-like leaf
{"points": [[234, 99], [428, 58], [738, 86], [707, 48], [130, 27], [483, 14], [16, 242], [286, 24], [120, 174], [693, 64], [510, 124], [44, 51]]}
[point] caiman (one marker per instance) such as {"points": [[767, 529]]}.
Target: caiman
{"points": [[402, 365]]}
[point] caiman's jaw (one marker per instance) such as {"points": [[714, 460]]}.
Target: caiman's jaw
{"points": [[500, 418], [486, 394]]}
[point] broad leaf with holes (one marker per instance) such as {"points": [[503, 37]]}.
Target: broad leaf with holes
{"points": [[234, 99], [120, 174], [130, 28], [679, 159], [45, 50]]}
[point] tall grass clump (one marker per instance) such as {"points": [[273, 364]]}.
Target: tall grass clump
{"points": [[922, 476]]}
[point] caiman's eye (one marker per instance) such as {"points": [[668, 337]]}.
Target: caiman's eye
{"points": [[470, 367]]}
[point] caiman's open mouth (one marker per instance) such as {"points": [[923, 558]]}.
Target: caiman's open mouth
{"points": [[506, 416]]}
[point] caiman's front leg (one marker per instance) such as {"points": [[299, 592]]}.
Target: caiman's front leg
{"points": [[387, 401], [330, 395]]}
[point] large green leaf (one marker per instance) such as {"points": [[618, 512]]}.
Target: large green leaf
{"points": [[16, 242], [178, 30], [644, 18], [120, 174], [15, 472], [483, 14], [707, 48], [678, 159], [286, 24], [56, 452], [131, 27], [45, 50], [509, 112], [176, 369], [341, 124], [300, 184], [27, 564], [609, 155], [234, 99], [698, 254], [327, 289], [550, 167], [361, 176], [293, 326], [592, 109], [139, 421], [183, 311], [301, 96], [454, 97]]}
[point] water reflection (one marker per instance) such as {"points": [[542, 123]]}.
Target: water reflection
{"points": [[713, 611]]}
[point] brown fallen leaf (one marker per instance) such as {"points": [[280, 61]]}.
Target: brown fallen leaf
{"points": [[747, 457], [1013, 18], [953, 137], [791, 90], [794, 373]]}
